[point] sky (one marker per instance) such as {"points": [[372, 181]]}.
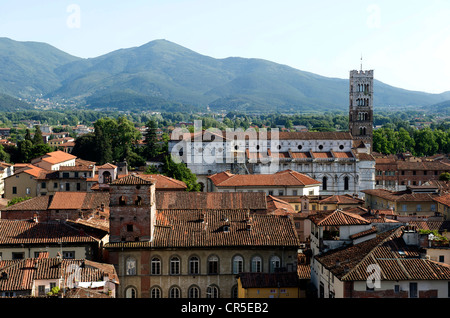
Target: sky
{"points": [[406, 43]]}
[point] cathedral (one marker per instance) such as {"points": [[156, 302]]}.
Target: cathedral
{"points": [[341, 161]]}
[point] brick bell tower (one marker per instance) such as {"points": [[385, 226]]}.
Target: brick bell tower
{"points": [[132, 209], [361, 106]]}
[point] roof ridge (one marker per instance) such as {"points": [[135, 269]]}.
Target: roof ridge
{"points": [[370, 253]]}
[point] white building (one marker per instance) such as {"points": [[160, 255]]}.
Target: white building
{"points": [[341, 161]]}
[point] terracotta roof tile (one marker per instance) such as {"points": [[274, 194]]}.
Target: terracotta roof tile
{"points": [[388, 250], [206, 228], [21, 274], [132, 179], [337, 217], [282, 178], [29, 232], [210, 200]]}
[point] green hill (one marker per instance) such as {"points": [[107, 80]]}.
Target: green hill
{"points": [[162, 75], [27, 68]]}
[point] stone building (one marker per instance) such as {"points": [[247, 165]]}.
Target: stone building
{"points": [[341, 161], [195, 253]]}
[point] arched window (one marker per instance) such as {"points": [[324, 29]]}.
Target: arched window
{"points": [[122, 200], [174, 292], [256, 264], [174, 266], [130, 292], [213, 265], [155, 292], [274, 263], [324, 183], [346, 183], [131, 266], [106, 177], [194, 292], [194, 265], [138, 201], [238, 264], [156, 266], [212, 291]]}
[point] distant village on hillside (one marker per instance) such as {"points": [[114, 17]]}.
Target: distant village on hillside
{"points": [[284, 214]]}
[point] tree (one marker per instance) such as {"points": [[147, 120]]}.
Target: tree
{"points": [[38, 138], [152, 148], [445, 176], [180, 171]]}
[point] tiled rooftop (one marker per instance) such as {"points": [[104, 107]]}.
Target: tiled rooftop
{"points": [[19, 275], [183, 200], [282, 178], [337, 218], [29, 232], [217, 229], [388, 250]]}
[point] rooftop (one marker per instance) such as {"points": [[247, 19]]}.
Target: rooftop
{"points": [[282, 178], [218, 228], [397, 260]]}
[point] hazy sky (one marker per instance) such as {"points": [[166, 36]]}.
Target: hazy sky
{"points": [[406, 43]]}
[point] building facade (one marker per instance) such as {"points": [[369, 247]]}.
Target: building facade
{"points": [[195, 253]]}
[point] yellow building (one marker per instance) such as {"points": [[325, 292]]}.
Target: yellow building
{"points": [[269, 285], [443, 206], [414, 201], [23, 182]]}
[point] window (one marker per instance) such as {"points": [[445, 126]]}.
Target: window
{"points": [[441, 258], [174, 292], [280, 192], [130, 292], [41, 290], [294, 192], [155, 292], [256, 264], [67, 186], [122, 200], [274, 263], [28, 190], [212, 292], [404, 207], [213, 265], [138, 201], [129, 227], [156, 266], [68, 254], [418, 208], [174, 266], [324, 183], [131, 266], [412, 290], [14, 190], [346, 183], [396, 289], [65, 175], [43, 185], [18, 255], [78, 186], [194, 265], [194, 292], [238, 264]]}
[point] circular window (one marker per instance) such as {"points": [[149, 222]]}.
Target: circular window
{"points": [[341, 147], [279, 147], [299, 147], [236, 147], [320, 147]]}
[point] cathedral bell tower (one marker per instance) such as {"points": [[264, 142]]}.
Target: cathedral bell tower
{"points": [[361, 106]]}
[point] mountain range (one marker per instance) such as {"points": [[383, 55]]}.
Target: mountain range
{"points": [[162, 75]]}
